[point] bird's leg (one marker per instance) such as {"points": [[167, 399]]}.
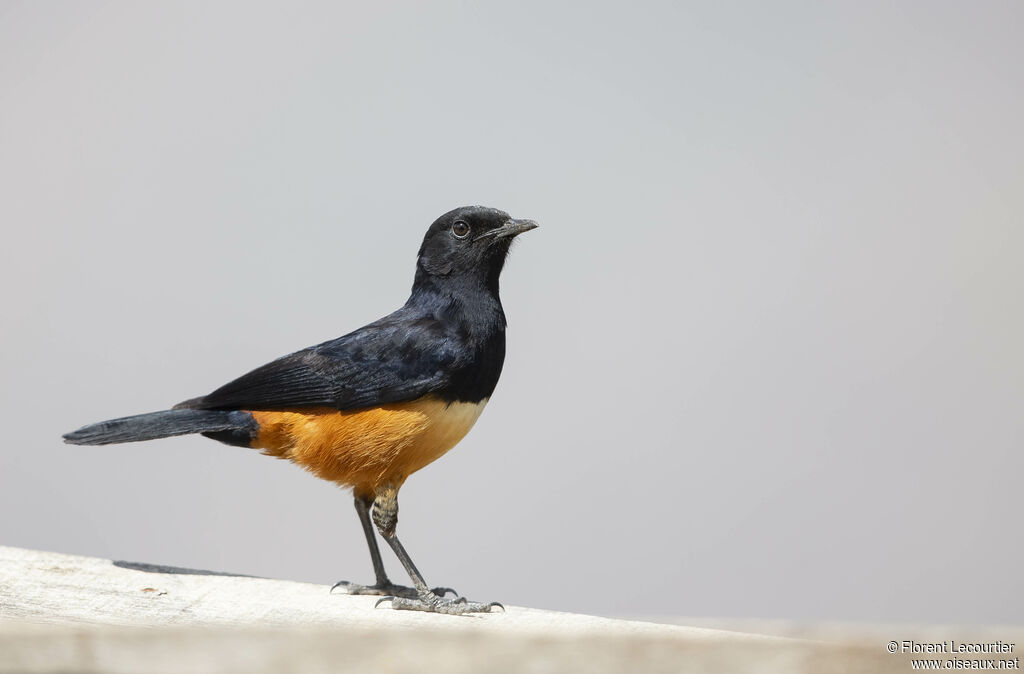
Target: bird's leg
{"points": [[383, 586], [385, 516]]}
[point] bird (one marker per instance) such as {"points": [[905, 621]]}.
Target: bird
{"points": [[370, 408]]}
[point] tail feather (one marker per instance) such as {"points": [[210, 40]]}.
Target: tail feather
{"points": [[159, 425]]}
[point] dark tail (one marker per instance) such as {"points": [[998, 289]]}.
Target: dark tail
{"points": [[162, 425]]}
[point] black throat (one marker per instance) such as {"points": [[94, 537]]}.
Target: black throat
{"points": [[470, 310]]}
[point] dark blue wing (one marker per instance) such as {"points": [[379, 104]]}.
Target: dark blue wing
{"points": [[398, 358]]}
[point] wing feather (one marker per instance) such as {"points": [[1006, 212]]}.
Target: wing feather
{"points": [[396, 359]]}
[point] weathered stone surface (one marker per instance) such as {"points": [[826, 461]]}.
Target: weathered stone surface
{"points": [[62, 613]]}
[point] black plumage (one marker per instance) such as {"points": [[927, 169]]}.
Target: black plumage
{"points": [[423, 348], [448, 339], [163, 424]]}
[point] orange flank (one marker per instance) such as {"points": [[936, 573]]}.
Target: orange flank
{"points": [[366, 448]]}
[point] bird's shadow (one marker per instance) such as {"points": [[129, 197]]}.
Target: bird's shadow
{"points": [[156, 568]]}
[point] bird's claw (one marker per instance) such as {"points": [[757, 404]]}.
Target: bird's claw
{"points": [[388, 589], [442, 591], [432, 603]]}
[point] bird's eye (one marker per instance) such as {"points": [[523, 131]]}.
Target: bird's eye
{"points": [[460, 229]]}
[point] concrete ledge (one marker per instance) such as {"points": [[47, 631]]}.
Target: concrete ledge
{"points": [[61, 613]]}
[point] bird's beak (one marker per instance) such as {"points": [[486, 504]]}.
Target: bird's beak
{"points": [[510, 228]]}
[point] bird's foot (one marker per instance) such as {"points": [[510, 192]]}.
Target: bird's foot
{"points": [[389, 589], [434, 603]]}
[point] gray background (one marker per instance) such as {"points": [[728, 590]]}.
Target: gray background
{"points": [[765, 350]]}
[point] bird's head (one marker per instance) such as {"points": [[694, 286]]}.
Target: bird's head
{"points": [[469, 244]]}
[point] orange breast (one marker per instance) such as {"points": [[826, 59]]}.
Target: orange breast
{"points": [[366, 448]]}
